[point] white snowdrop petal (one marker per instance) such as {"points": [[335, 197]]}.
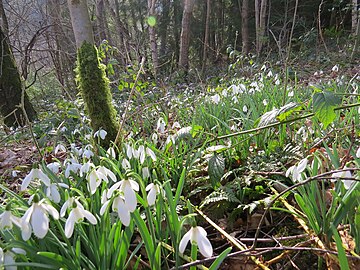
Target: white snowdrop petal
{"points": [[89, 216], [104, 207], [25, 183], [69, 225], [123, 214], [151, 153], [130, 198], [39, 222], [151, 197], [25, 231], [134, 185], [184, 241], [204, 246], [51, 210], [358, 153]]}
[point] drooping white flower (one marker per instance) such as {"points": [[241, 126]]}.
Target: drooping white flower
{"points": [[85, 168], [35, 174], [111, 153], [145, 172], [160, 126], [7, 219], [100, 133], [125, 164], [358, 153], [77, 214], [296, 170], [59, 148], [95, 177], [107, 173], [7, 257], [216, 98], [265, 102], [36, 219], [197, 235], [119, 206], [71, 165], [153, 191], [291, 94], [335, 68], [52, 191], [54, 167], [127, 188], [343, 175], [151, 153], [87, 152], [245, 109]]}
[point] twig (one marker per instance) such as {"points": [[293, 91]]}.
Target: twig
{"points": [[117, 139]]}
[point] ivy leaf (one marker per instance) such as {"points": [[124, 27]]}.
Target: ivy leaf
{"points": [[216, 169], [324, 104]]}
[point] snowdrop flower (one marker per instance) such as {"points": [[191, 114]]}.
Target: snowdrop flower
{"points": [[154, 138], [107, 172], [14, 173], [100, 134], [35, 174], [72, 165], [235, 99], [291, 94], [87, 152], [224, 93], [54, 167], [160, 126], [145, 172], [335, 68], [176, 125], [95, 177], [36, 219], [7, 219], [120, 207], [141, 152], [85, 168], [7, 257], [52, 191], [125, 164], [197, 235], [358, 153], [77, 214], [270, 74], [59, 148], [127, 188], [245, 109], [343, 174], [151, 153], [296, 170], [111, 153], [265, 102], [153, 189], [75, 149], [63, 129], [215, 99]]}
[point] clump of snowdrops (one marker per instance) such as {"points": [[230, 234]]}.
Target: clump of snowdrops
{"points": [[86, 211]]}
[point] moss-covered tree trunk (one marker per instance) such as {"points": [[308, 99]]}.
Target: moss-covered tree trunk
{"points": [[92, 79], [11, 88]]}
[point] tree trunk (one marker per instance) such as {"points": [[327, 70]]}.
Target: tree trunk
{"points": [[185, 35], [152, 36], [93, 83], [3, 19], [101, 21], [245, 27], [177, 26], [260, 23], [13, 98], [355, 16], [206, 37], [163, 26]]}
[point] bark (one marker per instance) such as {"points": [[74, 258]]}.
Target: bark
{"points": [[185, 35], [13, 98], [245, 27], [260, 24], [163, 26], [101, 21], [152, 36], [177, 23], [92, 79], [4, 24], [61, 45], [355, 16], [206, 37]]}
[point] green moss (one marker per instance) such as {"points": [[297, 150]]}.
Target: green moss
{"points": [[94, 86]]}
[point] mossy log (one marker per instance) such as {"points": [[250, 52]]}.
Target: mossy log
{"points": [[94, 86], [11, 89]]}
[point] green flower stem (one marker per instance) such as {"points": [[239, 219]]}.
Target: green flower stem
{"points": [[194, 249]]}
